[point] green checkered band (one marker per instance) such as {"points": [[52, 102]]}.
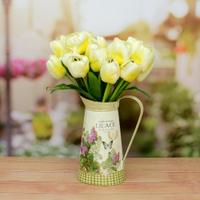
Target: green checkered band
{"points": [[114, 178]]}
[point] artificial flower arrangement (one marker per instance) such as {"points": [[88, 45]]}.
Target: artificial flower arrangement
{"points": [[25, 68], [99, 70]]}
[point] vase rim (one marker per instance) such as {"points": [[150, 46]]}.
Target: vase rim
{"points": [[100, 106]]}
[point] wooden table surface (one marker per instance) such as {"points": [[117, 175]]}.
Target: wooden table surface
{"points": [[55, 179]]}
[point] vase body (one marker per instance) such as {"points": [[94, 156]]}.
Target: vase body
{"points": [[101, 147], [101, 155]]}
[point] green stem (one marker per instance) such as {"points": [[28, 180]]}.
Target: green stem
{"points": [[107, 92], [80, 83], [116, 90], [124, 86], [86, 84]]}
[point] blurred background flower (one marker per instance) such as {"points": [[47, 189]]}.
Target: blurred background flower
{"points": [[27, 68]]}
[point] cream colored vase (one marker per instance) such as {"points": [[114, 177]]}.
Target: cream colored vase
{"points": [[101, 157]]}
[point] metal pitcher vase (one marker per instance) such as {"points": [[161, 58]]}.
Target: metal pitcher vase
{"points": [[101, 157]]}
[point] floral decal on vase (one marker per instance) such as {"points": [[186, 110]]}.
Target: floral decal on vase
{"points": [[91, 158]]}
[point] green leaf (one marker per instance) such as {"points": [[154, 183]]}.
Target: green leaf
{"points": [[61, 86], [139, 90], [94, 84], [64, 86], [119, 89]]}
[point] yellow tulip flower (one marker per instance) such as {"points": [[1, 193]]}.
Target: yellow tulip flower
{"points": [[96, 55], [143, 75], [78, 65], [98, 40], [133, 44], [144, 57], [130, 71], [119, 51], [110, 72], [57, 48], [55, 67], [77, 42]]}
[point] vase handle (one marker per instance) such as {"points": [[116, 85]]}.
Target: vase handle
{"points": [[137, 124]]}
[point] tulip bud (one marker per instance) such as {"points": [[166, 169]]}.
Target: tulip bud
{"points": [[78, 41], [100, 41], [97, 56], [143, 56], [64, 43], [57, 48], [130, 71], [143, 75], [78, 65], [119, 51], [55, 67], [110, 72], [134, 44]]}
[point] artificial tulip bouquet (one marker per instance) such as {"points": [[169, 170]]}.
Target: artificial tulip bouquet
{"points": [[99, 70]]}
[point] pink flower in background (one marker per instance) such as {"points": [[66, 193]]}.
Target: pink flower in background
{"points": [[17, 67], [115, 158], [42, 65], [30, 69], [35, 68], [27, 68], [92, 136], [83, 149]]}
